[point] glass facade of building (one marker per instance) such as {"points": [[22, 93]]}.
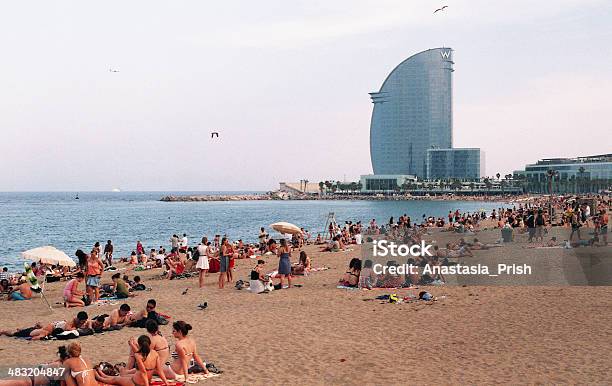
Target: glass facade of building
{"points": [[412, 113], [462, 164], [570, 175]]}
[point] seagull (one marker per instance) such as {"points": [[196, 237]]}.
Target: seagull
{"points": [[441, 9], [112, 70], [213, 134]]}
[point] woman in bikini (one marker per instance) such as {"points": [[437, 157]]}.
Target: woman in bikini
{"points": [[147, 362], [79, 369], [185, 352], [159, 344]]}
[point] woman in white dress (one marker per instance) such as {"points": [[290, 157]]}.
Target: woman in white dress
{"points": [[202, 264]]}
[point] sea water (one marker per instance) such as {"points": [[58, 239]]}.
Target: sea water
{"points": [[29, 220]]}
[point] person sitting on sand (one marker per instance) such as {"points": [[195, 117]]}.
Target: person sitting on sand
{"points": [[147, 362], [159, 344], [303, 266], [333, 245], [79, 369], [133, 258], [5, 286], [22, 292], [136, 285], [367, 277], [271, 247], [118, 318], [72, 295], [185, 350], [120, 286], [319, 240], [258, 279], [351, 277], [389, 280]]}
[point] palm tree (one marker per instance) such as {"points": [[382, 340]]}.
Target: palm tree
{"points": [[498, 175], [321, 185], [488, 183], [456, 185]]}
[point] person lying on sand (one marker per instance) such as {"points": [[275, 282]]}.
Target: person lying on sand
{"points": [[118, 318], [481, 246], [40, 331], [147, 362]]}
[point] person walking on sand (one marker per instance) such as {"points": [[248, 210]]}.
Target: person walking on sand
{"points": [[108, 253], [202, 264], [284, 263]]}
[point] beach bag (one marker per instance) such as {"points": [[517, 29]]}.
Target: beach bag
{"points": [[86, 300], [196, 254]]}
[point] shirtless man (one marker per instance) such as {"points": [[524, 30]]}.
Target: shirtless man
{"points": [[23, 292], [118, 318]]}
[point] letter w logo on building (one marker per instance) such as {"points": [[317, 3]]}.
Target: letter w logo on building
{"points": [[445, 54]]}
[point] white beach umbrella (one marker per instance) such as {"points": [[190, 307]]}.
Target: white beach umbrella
{"points": [[286, 228], [48, 255]]}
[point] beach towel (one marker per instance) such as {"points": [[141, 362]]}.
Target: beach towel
{"points": [[346, 287]]}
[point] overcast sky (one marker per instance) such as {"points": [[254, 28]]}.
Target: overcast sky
{"points": [[285, 83]]}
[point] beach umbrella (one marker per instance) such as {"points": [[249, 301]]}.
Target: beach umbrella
{"points": [[48, 255], [286, 228]]}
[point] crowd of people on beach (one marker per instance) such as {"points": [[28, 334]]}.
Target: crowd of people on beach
{"points": [[532, 220]]}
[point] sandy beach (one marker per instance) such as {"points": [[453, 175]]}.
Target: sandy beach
{"points": [[318, 334]]}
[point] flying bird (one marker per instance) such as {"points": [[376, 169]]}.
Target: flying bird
{"points": [[441, 9], [112, 70], [213, 134]]}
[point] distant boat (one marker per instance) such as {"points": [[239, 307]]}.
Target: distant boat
{"points": [[116, 190], [77, 197]]}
